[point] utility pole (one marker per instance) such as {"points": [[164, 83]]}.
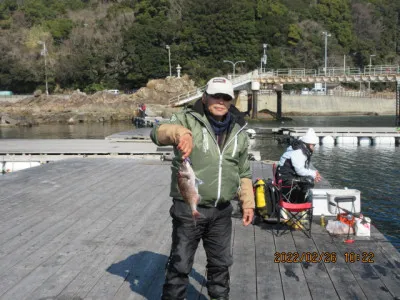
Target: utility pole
{"points": [[326, 34], [169, 59], [44, 53], [344, 64], [370, 66]]}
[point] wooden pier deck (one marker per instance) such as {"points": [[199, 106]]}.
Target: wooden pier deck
{"points": [[100, 229]]}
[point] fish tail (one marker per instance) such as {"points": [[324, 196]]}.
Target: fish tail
{"points": [[195, 215]]}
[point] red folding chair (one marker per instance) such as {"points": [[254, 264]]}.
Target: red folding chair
{"points": [[299, 215]]}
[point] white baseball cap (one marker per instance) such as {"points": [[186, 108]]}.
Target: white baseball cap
{"points": [[310, 137], [220, 85]]}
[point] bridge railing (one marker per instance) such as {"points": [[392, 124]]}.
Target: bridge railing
{"points": [[189, 94], [381, 70], [299, 72], [242, 79], [354, 93], [338, 71], [196, 93], [333, 71]]}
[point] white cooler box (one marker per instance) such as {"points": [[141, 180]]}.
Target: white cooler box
{"points": [[341, 197]]}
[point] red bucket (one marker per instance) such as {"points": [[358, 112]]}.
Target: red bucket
{"points": [[346, 219]]}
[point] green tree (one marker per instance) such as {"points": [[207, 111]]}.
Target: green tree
{"points": [[336, 16], [218, 30]]}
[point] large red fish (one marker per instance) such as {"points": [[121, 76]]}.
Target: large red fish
{"points": [[187, 183]]}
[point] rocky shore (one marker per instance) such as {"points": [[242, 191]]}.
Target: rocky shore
{"points": [[102, 106]]}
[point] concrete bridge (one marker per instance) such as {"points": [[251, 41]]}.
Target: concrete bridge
{"points": [[276, 79]]}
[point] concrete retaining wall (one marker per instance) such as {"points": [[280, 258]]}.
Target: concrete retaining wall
{"points": [[328, 105]]}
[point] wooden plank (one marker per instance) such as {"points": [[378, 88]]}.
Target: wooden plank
{"points": [[152, 274], [51, 200], [143, 208], [294, 282], [128, 203], [268, 277], [119, 215], [15, 187], [385, 257], [318, 280], [243, 283], [136, 270], [140, 269], [366, 277], [372, 277], [50, 222], [372, 257], [339, 272], [35, 200], [45, 251]]}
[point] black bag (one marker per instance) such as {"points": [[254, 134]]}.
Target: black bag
{"points": [[273, 197]]}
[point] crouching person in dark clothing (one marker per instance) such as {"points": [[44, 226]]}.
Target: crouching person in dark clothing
{"points": [[294, 168], [211, 134]]}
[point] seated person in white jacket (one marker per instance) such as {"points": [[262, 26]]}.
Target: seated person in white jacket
{"points": [[294, 168]]}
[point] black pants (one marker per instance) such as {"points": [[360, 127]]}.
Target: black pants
{"points": [[214, 227]]}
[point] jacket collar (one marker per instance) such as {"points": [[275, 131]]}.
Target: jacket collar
{"points": [[237, 115]]}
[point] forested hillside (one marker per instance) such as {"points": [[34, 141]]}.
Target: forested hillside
{"points": [[94, 44]]}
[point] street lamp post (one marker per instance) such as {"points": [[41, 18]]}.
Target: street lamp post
{"points": [[326, 34], [169, 59], [370, 66], [44, 53], [234, 65], [264, 57], [370, 61]]}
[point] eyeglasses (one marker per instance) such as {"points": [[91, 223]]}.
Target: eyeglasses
{"points": [[224, 97]]}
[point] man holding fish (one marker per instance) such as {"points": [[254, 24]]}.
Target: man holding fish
{"points": [[209, 168]]}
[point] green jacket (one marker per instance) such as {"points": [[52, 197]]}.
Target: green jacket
{"points": [[220, 170]]}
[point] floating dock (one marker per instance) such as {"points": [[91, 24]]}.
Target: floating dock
{"points": [[347, 135], [18, 154], [101, 229]]}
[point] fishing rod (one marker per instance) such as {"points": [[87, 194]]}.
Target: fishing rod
{"points": [[359, 215]]}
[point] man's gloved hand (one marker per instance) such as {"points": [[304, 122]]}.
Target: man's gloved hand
{"points": [[185, 145], [248, 215]]}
